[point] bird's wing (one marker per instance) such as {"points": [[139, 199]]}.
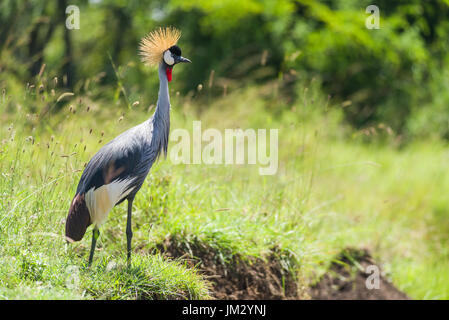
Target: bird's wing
{"points": [[109, 177], [116, 161]]}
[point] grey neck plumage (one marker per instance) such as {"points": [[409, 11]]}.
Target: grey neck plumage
{"points": [[161, 117]]}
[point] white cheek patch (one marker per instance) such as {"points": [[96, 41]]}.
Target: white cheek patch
{"points": [[168, 58], [101, 200]]}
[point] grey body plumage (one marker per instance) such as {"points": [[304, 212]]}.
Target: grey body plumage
{"points": [[118, 170], [136, 149]]}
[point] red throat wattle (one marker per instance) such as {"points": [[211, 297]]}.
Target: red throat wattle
{"points": [[168, 72]]}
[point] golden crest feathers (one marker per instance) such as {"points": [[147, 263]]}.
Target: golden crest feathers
{"points": [[153, 46]]}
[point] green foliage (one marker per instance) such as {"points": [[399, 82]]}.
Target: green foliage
{"points": [[305, 67], [331, 191], [431, 118], [383, 76], [381, 72]]}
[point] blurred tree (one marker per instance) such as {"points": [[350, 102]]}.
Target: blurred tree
{"points": [[390, 75], [376, 72], [68, 69]]}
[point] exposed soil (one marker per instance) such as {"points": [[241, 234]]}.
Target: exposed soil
{"points": [[249, 278], [347, 277], [255, 279]]}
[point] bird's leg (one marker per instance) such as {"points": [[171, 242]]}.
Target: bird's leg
{"points": [[95, 235], [129, 232]]}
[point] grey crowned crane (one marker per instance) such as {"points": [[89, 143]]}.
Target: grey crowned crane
{"points": [[117, 171]]}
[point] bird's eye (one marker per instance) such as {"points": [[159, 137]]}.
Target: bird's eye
{"points": [[168, 58]]}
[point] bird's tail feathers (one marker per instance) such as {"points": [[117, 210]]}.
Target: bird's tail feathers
{"points": [[78, 219]]}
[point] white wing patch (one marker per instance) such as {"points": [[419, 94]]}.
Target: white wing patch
{"points": [[101, 200]]}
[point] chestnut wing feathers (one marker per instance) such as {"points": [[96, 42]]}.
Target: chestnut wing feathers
{"points": [[105, 167], [116, 172], [118, 160]]}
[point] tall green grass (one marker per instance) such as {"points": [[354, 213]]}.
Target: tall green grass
{"points": [[332, 190]]}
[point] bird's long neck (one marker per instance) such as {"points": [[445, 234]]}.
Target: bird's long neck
{"points": [[163, 101], [161, 117]]}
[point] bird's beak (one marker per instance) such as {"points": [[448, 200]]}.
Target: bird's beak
{"points": [[179, 59]]}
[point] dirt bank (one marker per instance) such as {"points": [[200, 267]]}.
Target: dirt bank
{"points": [[254, 278], [347, 278]]}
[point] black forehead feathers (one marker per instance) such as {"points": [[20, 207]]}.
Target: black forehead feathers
{"points": [[175, 50]]}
